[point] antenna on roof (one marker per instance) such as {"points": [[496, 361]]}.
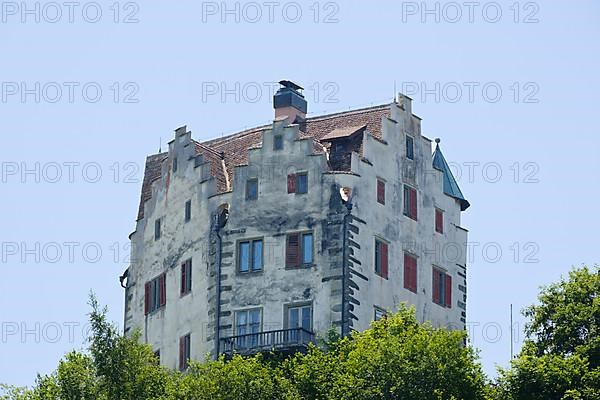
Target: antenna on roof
{"points": [[395, 94], [511, 332], [160, 144]]}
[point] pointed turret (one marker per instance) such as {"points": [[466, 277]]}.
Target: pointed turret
{"points": [[450, 186]]}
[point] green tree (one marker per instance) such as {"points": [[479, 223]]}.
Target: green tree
{"points": [[561, 356], [397, 358], [567, 320], [238, 378]]}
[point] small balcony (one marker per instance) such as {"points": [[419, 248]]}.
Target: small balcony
{"points": [[282, 341]]}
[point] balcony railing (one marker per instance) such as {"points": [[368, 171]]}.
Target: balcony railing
{"points": [[296, 339]]}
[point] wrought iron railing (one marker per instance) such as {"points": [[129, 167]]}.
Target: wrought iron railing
{"points": [[282, 339]]}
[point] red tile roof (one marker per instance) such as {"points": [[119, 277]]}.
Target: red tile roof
{"points": [[225, 153], [151, 173]]}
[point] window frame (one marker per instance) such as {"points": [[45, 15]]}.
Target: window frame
{"points": [[247, 311], [251, 256], [381, 311], [300, 306], [186, 272], [155, 294], [157, 229], [410, 155], [253, 181], [378, 256], [277, 142], [249, 339], [301, 262], [185, 351], [380, 191], [300, 175], [407, 207], [440, 212], [188, 211], [444, 293], [407, 282]]}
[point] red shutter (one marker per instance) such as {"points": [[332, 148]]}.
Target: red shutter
{"points": [[147, 298], [291, 183], [384, 260], [162, 290], [414, 274], [380, 191], [413, 203], [436, 286], [183, 279], [410, 273], [448, 287], [182, 352], [292, 251], [439, 221], [407, 272]]}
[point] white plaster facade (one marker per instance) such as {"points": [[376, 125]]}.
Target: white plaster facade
{"points": [[276, 213]]}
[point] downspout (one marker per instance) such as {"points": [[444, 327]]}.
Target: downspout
{"points": [[218, 272], [347, 216]]}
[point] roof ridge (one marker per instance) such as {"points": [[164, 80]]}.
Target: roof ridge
{"points": [[350, 112], [235, 134], [244, 132]]}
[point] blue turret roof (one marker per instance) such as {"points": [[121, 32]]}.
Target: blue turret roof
{"points": [[450, 186]]}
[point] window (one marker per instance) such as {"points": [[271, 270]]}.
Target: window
{"points": [[299, 317], [439, 221], [252, 189], [379, 313], [175, 164], [157, 229], [442, 288], [410, 202], [184, 351], [155, 294], [380, 191], [298, 183], [278, 142], [410, 148], [250, 255], [186, 277], [299, 249], [248, 325], [188, 210], [381, 258], [410, 273], [302, 183]]}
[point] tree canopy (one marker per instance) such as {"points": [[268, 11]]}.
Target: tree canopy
{"points": [[560, 358], [397, 358]]}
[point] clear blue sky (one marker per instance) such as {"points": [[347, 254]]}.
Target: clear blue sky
{"points": [[541, 138]]}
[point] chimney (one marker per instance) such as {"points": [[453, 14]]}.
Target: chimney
{"points": [[289, 102]]}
